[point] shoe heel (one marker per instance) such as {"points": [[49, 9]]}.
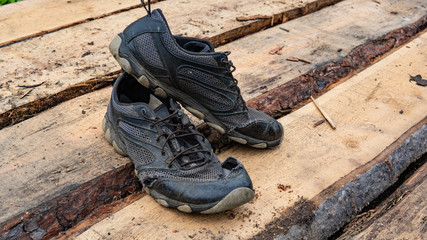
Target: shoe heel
{"points": [[114, 49], [111, 137]]}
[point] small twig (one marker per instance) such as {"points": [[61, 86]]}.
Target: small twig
{"points": [[324, 114], [284, 29], [276, 51], [27, 93], [318, 123], [294, 59], [31, 86]]}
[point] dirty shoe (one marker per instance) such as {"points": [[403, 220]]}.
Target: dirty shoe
{"points": [[190, 71], [174, 162]]}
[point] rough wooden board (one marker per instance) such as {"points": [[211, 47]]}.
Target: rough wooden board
{"points": [[72, 55], [65, 66], [31, 17], [319, 37], [34, 126], [309, 159], [407, 220], [120, 181], [54, 152], [399, 216]]}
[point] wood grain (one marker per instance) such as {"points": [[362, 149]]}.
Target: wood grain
{"points": [[62, 59], [402, 215], [34, 17], [309, 159]]}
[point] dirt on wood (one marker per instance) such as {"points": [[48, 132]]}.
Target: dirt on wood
{"points": [[301, 213]]}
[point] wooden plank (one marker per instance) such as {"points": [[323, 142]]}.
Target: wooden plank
{"points": [[61, 148], [63, 58], [399, 216], [310, 158], [20, 139], [34, 17], [66, 66], [404, 221], [280, 101]]}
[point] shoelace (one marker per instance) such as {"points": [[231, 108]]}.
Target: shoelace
{"points": [[183, 128], [231, 69], [149, 7]]}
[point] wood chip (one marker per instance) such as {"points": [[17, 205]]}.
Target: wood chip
{"points": [[27, 93], [276, 51], [324, 114], [31, 86], [254, 17], [294, 59], [318, 123]]}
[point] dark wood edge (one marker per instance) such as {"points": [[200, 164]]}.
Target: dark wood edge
{"points": [[66, 211], [29, 110], [283, 99], [302, 214]]}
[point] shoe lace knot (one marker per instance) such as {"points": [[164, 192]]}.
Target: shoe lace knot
{"points": [[175, 129]]}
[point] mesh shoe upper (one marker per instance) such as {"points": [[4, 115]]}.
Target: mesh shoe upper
{"points": [[165, 147], [191, 65]]}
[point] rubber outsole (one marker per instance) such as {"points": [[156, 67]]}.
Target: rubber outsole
{"points": [[237, 197], [192, 105]]}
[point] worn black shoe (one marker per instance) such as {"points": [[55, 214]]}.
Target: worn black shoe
{"points": [[190, 71], [174, 162]]}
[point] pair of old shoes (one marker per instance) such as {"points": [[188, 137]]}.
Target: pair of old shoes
{"points": [[174, 162]]}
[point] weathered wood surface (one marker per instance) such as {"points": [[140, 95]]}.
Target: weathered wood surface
{"points": [[405, 221], [54, 152], [400, 216], [310, 158], [72, 55], [317, 38], [23, 140], [32, 17]]}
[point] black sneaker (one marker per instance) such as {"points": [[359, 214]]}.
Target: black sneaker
{"points": [[174, 162], [190, 71]]}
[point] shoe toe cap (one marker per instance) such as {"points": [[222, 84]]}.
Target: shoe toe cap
{"points": [[202, 192], [263, 130]]}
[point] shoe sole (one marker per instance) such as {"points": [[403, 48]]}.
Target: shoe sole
{"points": [[235, 198], [160, 89]]}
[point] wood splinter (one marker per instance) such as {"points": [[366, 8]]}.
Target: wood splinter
{"points": [[324, 114]]}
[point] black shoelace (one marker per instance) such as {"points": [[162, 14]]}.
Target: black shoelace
{"points": [[231, 69], [182, 129], [149, 7]]}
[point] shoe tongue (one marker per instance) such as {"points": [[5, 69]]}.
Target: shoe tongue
{"points": [[161, 111], [195, 46]]}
